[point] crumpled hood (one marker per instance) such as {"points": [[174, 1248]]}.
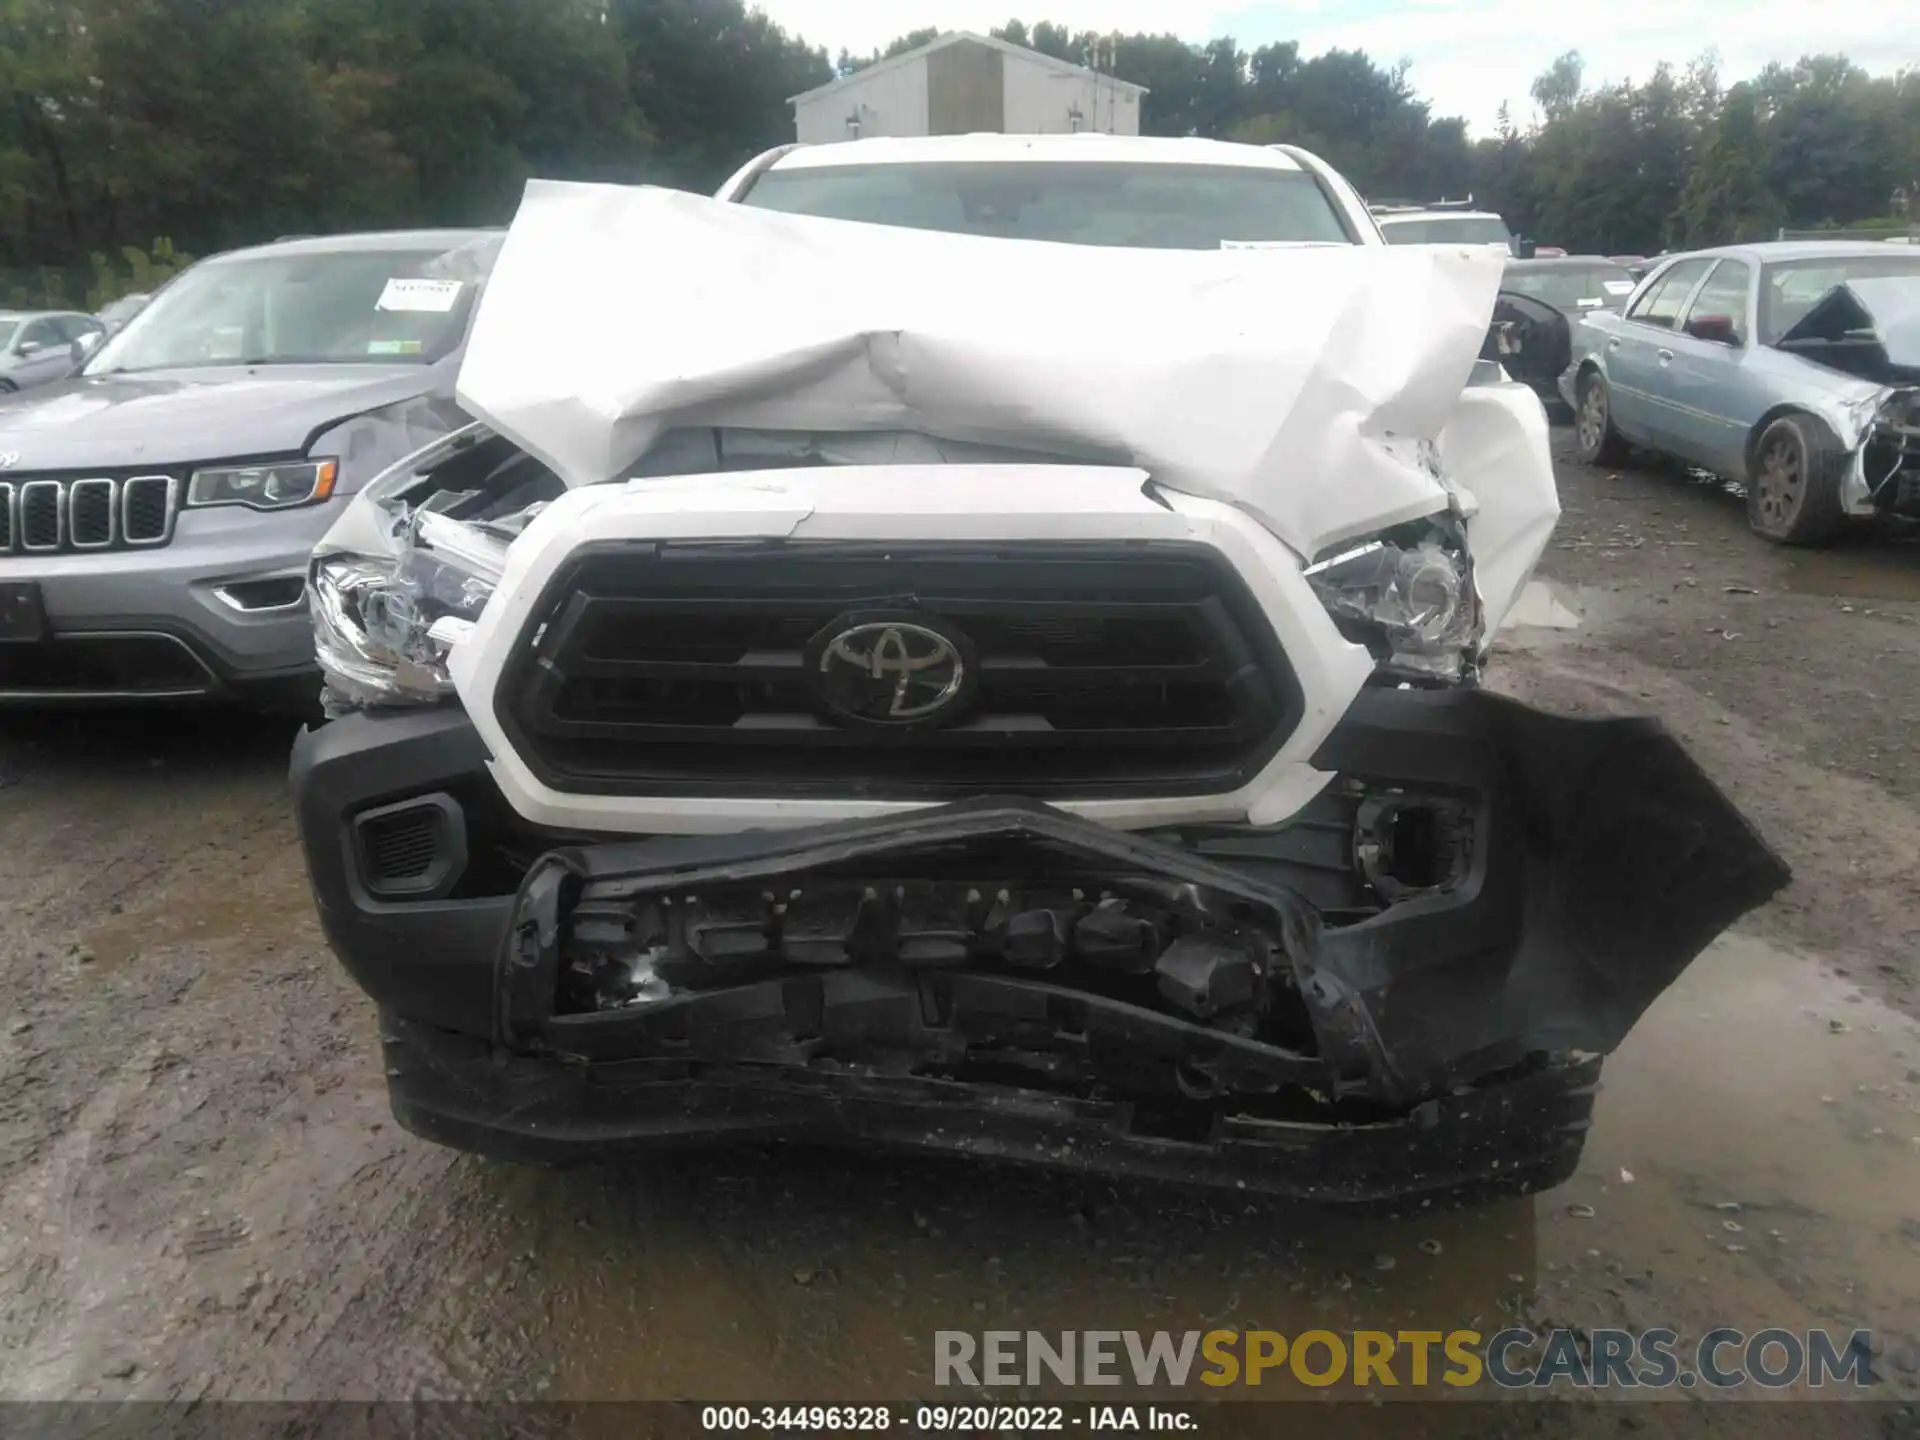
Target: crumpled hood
{"points": [[1297, 384], [176, 416]]}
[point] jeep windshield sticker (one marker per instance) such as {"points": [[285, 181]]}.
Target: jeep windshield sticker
{"points": [[394, 347], [431, 296]]}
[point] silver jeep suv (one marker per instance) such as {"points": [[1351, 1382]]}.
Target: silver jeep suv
{"points": [[158, 508]]}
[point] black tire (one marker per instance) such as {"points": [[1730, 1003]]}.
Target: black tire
{"points": [[1793, 482], [1595, 441], [7, 387]]}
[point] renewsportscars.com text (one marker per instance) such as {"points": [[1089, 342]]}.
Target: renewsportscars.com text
{"points": [[1720, 1359]]}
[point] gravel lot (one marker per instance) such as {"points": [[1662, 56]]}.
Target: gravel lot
{"points": [[202, 1194]]}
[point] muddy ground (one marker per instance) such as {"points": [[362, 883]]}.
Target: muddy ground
{"points": [[202, 1194]]}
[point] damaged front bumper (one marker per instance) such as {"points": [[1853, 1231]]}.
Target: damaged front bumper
{"points": [[1884, 476], [1402, 990]]}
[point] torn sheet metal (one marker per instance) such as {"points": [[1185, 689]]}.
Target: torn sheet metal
{"points": [[1293, 384], [1603, 862], [1868, 327]]}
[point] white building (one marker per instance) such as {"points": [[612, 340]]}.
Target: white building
{"points": [[964, 83]]}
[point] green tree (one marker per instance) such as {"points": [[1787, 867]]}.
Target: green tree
{"points": [[848, 64], [1727, 198], [713, 79], [1557, 88], [1830, 141], [477, 95]]}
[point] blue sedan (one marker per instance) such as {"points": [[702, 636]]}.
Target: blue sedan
{"points": [[1793, 367]]}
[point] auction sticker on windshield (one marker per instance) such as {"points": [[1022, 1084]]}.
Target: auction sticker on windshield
{"points": [[433, 296]]}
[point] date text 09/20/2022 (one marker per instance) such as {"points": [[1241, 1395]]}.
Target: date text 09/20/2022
{"points": [[944, 1419]]}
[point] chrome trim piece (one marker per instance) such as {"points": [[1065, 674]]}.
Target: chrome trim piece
{"points": [[16, 496], [228, 598], [126, 509], [27, 492], [75, 488]]}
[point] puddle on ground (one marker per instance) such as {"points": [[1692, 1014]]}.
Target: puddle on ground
{"points": [[1759, 1082]]}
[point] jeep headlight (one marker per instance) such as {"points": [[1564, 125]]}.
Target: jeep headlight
{"points": [[1408, 594], [264, 487]]}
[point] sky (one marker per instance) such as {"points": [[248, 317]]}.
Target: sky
{"points": [[1466, 55]]}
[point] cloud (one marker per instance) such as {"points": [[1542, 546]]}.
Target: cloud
{"points": [[863, 26], [1467, 56]]}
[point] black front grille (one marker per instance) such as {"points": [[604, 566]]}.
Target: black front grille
{"points": [[41, 502], [1099, 670], [46, 514], [403, 846], [90, 519], [78, 665]]}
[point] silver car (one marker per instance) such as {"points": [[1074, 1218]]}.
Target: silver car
{"points": [[37, 347], [1793, 367], [157, 510], [113, 317]]}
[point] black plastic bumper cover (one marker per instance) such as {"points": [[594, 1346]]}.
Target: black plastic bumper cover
{"points": [[1603, 861]]}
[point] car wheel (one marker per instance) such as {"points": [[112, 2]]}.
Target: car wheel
{"points": [[7, 387], [1596, 442], [1793, 484]]}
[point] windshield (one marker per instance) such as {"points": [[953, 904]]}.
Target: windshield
{"points": [[7, 327], [120, 309], [1154, 207], [1448, 230], [377, 307], [1790, 290], [1573, 288]]}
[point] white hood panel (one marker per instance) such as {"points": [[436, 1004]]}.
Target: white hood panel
{"points": [[1294, 384]]}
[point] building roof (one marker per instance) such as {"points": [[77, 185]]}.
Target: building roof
{"points": [[955, 37]]}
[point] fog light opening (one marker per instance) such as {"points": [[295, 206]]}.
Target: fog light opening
{"points": [[284, 593], [1412, 845]]}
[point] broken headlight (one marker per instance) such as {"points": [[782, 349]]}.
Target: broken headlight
{"points": [[382, 626], [1408, 595], [406, 572]]}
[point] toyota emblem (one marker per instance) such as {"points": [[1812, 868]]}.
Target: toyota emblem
{"points": [[890, 670]]}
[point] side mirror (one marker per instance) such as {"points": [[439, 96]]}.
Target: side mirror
{"points": [[28, 347], [1524, 248], [83, 348], [1716, 328]]}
